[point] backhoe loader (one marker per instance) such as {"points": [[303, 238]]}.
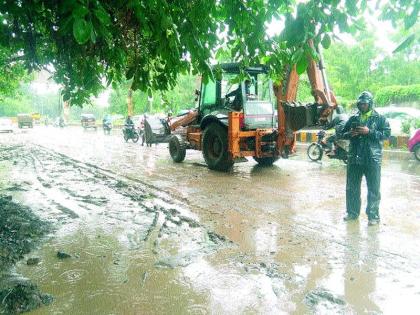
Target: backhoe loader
{"points": [[251, 118]]}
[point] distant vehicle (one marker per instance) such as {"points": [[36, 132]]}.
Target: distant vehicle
{"points": [[414, 144], [59, 122], [88, 121], [130, 132], [316, 149], [36, 117], [25, 120], [6, 125], [396, 116], [107, 124], [156, 130]]}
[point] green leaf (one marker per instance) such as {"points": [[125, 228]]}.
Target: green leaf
{"points": [[407, 42], [411, 19], [102, 16], [302, 65], [80, 12], [326, 41], [92, 35], [81, 30]]}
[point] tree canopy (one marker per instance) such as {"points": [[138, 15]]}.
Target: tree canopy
{"points": [[87, 44]]}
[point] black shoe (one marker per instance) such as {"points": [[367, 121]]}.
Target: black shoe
{"points": [[350, 218], [372, 222]]}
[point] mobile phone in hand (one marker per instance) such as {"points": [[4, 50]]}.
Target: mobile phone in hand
{"points": [[354, 125]]}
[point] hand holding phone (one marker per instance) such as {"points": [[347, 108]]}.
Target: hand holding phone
{"points": [[353, 129], [354, 125]]}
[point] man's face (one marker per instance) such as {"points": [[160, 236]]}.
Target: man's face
{"points": [[364, 107]]}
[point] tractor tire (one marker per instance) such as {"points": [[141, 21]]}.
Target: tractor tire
{"points": [[416, 151], [177, 149], [215, 148], [314, 152], [266, 161]]}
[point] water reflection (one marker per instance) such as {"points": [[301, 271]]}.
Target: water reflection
{"points": [[361, 268]]}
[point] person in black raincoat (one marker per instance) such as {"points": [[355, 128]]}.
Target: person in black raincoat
{"points": [[366, 131]]}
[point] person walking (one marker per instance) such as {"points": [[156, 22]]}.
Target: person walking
{"points": [[366, 131]]}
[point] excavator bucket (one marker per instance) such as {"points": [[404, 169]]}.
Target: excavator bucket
{"points": [[299, 116]]}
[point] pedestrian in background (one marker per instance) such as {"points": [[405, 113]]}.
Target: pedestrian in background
{"points": [[366, 131]]}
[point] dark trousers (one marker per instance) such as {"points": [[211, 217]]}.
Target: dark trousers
{"points": [[372, 173]]}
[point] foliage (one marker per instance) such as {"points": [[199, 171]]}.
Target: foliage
{"points": [[352, 69], [179, 97], [409, 124], [408, 12], [11, 73], [398, 94], [11, 106], [151, 42], [349, 67]]}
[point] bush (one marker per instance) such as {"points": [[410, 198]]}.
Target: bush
{"points": [[409, 123], [398, 94]]}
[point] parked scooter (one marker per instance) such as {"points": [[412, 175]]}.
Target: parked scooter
{"points": [[316, 149], [130, 132]]}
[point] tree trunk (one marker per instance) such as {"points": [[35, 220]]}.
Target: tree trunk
{"points": [[66, 111], [130, 107]]}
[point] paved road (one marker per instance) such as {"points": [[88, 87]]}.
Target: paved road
{"points": [[151, 236]]}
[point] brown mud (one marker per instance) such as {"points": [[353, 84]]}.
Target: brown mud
{"points": [[149, 236]]}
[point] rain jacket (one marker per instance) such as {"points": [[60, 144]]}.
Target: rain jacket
{"points": [[367, 148]]}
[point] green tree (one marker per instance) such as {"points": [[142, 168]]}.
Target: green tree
{"points": [[151, 42], [179, 97]]}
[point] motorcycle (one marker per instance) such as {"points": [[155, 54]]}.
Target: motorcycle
{"points": [[107, 125], [130, 132], [316, 149], [59, 122]]}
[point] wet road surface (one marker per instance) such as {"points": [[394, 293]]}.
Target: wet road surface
{"points": [[148, 236]]}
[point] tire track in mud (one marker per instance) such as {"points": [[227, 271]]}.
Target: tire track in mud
{"points": [[164, 219], [86, 192]]}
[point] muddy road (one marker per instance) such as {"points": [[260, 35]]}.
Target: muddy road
{"points": [[147, 236]]}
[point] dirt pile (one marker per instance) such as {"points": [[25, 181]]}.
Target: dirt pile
{"points": [[18, 295], [20, 231]]}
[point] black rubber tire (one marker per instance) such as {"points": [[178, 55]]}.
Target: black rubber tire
{"points": [[125, 137], [266, 161], [215, 148], [135, 137], [177, 148], [416, 151], [314, 152]]}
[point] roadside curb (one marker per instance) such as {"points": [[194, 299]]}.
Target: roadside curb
{"points": [[388, 154], [394, 142]]}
